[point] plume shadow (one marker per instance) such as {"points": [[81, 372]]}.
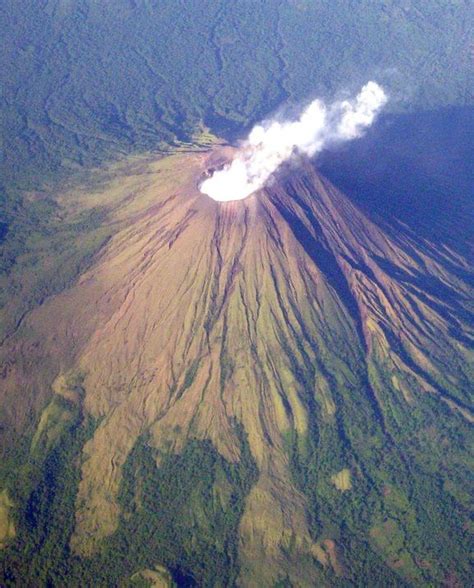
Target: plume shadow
{"points": [[415, 170]]}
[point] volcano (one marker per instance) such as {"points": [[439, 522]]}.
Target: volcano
{"points": [[267, 392]]}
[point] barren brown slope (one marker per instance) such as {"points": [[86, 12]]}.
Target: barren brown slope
{"points": [[288, 314]]}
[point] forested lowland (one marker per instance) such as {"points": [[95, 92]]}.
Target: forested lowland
{"points": [[87, 80]]}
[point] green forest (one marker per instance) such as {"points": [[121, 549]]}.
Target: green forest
{"points": [[136, 75], [397, 490]]}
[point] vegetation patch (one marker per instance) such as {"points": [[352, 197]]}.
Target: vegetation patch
{"points": [[53, 421], [7, 526], [159, 577], [342, 480], [389, 540], [42, 252], [196, 535]]}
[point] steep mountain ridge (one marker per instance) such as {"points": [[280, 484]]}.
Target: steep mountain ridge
{"points": [[287, 326]]}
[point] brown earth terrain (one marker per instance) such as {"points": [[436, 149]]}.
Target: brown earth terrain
{"points": [[197, 315]]}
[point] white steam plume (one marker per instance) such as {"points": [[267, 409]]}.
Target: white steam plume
{"points": [[272, 143]]}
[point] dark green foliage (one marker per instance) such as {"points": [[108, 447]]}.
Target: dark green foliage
{"points": [[409, 499], [86, 81], [187, 511], [183, 514], [44, 487]]}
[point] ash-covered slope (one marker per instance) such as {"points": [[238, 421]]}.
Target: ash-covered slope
{"points": [[273, 390]]}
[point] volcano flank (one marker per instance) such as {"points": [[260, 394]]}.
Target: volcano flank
{"points": [[275, 386]]}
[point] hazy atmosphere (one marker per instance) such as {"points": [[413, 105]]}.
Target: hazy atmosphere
{"points": [[236, 293]]}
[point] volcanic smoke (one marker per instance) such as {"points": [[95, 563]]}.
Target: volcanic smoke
{"points": [[273, 142]]}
